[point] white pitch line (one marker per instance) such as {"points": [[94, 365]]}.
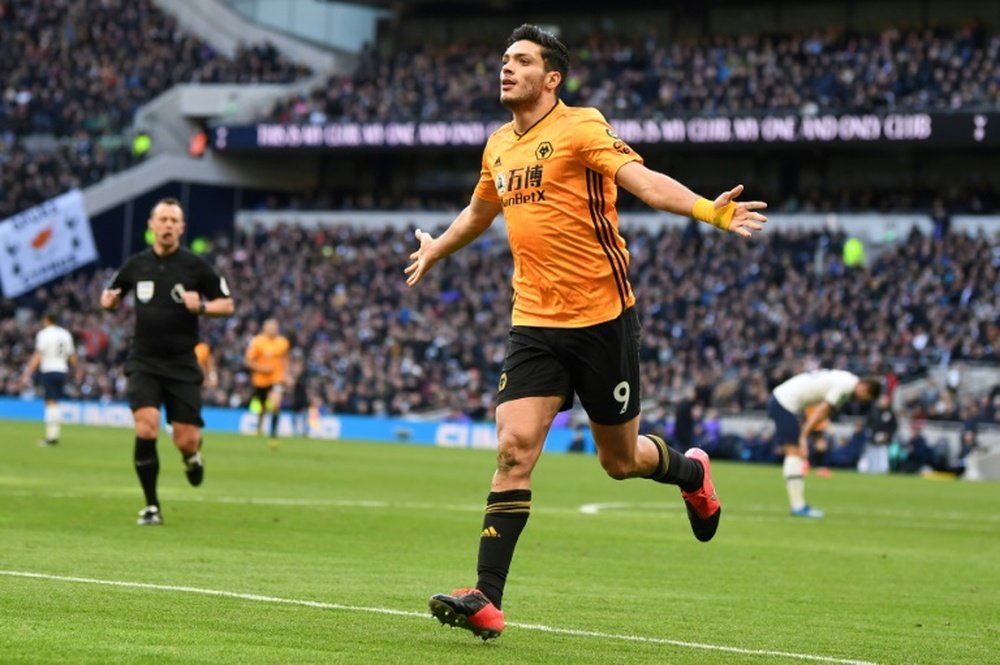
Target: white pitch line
{"points": [[406, 613]]}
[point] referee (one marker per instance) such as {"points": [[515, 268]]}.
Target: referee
{"points": [[172, 287]]}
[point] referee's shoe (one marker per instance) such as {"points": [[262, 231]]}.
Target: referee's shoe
{"points": [[150, 516], [194, 469]]}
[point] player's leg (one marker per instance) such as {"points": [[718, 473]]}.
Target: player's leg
{"points": [[182, 401], [794, 471], [534, 387], [258, 405], [786, 433], [52, 385], [145, 396], [274, 398], [147, 462], [605, 369], [522, 426]]}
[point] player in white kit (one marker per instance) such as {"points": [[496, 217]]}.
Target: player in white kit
{"points": [[827, 390], [54, 355]]}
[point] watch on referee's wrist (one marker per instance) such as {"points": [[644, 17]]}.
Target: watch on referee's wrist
{"points": [[201, 307]]}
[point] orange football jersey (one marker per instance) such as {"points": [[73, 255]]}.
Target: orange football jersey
{"points": [[271, 353], [556, 184], [202, 352]]}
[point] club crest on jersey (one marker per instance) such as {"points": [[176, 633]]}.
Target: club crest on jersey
{"points": [[144, 291], [501, 184], [177, 294], [543, 151]]}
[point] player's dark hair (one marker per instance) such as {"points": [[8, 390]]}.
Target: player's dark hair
{"points": [[874, 385], [555, 55], [50, 317]]}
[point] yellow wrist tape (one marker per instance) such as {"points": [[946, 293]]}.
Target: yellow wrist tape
{"points": [[705, 211]]}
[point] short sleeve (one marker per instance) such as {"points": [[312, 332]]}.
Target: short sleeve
{"points": [[486, 188], [841, 392], [123, 278], [599, 147], [213, 285]]}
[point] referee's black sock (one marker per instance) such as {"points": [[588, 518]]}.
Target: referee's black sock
{"points": [[274, 424], [147, 467], [674, 468], [506, 514]]}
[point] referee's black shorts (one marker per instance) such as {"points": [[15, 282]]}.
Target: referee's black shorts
{"points": [[599, 363], [179, 398]]}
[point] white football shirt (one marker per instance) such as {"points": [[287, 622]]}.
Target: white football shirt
{"points": [[56, 345], [834, 386]]}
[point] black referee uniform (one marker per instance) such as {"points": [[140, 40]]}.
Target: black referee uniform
{"points": [[161, 365]]}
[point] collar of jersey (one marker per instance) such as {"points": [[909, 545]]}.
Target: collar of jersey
{"points": [[558, 104]]}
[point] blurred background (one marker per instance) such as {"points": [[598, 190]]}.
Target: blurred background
{"points": [[307, 139]]}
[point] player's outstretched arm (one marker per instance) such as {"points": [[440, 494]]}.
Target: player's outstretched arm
{"points": [[662, 192], [469, 225]]}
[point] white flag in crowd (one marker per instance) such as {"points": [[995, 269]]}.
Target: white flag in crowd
{"points": [[44, 242]]}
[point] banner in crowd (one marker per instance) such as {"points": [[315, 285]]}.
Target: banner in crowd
{"points": [[446, 434], [44, 242], [958, 129]]}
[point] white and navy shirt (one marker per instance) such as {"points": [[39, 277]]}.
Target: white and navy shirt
{"points": [[55, 345], [833, 386]]}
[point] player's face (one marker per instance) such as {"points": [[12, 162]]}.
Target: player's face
{"points": [[523, 78], [271, 328], [167, 224]]}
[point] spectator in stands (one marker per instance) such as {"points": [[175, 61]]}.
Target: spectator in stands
{"points": [[806, 72], [968, 442], [846, 453], [919, 456], [353, 323], [75, 74], [882, 425]]}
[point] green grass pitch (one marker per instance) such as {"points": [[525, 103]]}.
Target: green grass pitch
{"points": [[326, 552]]}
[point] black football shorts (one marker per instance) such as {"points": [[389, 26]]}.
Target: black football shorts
{"points": [[180, 399], [599, 363]]}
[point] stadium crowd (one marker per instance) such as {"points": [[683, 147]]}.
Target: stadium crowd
{"points": [[816, 72], [72, 76], [110, 57], [723, 321]]}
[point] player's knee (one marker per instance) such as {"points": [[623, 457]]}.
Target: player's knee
{"points": [[513, 453], [617, 467], [186, 439], [146, 430], [508, 459]]}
